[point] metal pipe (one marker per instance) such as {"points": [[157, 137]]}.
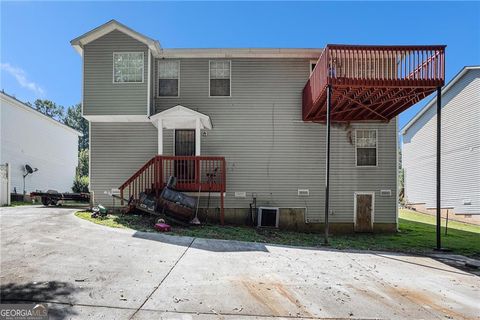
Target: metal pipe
{"points": [[439, 136], [327, 170]]}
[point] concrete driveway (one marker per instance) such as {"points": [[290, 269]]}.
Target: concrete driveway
{"points": [[85, 270]]}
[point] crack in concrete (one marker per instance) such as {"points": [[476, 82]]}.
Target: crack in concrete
{"points": [[186, 312], [163, 279]]}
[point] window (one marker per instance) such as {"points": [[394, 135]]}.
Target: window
{"points": [[127, 67], [220, 85], [168, 78], [312, 66], [366, 147]]}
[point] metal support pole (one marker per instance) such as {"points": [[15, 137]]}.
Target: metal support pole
{"points": [[327, 166], [439, 135]]}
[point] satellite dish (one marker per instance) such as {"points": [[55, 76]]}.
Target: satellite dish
{"points": [[28, 169]]}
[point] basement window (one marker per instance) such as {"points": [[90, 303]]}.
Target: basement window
{"points": [[220, 78], [128, 67], [366, 147], [168, 78]]}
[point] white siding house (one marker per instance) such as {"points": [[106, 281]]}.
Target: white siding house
{"points": [[29, 137], [460, 149]]}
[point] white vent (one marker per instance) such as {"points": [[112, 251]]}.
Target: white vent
{"points": [[268, 217], [303, 192], [240, 194], [385, 193], [467, 202]]}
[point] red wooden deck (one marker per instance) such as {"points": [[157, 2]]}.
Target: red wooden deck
{"points": [[372, 82]]}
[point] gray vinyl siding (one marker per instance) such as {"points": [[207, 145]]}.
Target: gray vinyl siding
{"points": [[460, 150], [117, 151], [103, 97], [270, 151]]}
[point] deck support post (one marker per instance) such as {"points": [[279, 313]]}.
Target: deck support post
{"points": [[439, 136], [327, 165]]}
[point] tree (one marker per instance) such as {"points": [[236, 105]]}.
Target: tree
{"points": [[73, 118], [82, 168], [49, 108]]}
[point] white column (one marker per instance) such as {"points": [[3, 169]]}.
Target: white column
{"points": [[197, 137], [160, 136]]}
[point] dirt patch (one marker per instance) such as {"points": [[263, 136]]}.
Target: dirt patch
{"points": [[275, 297], [428, 300]]}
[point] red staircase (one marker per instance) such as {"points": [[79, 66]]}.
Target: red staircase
{"points": [[193, 173]]}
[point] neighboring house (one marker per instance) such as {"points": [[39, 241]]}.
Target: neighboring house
{"points": [[460, 149], [29, 137], [236, 115]]}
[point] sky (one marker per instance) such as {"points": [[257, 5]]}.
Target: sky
{"points": [[37, 61]]}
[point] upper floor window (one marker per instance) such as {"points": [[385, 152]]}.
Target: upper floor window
{"points": [[168, 78], [220, 78], [313, 64], [366, 147], [128, 67]]}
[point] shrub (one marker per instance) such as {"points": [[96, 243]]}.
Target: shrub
{"points": [[80, 184]]}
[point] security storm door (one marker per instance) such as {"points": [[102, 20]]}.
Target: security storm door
{"points": [[364, 210], [185, 146]]}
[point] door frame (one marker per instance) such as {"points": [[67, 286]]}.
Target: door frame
{"points": [[175, 140], [372, 193]]}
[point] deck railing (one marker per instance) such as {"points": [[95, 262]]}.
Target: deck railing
{"points": [[374, 66], [193, 173]]}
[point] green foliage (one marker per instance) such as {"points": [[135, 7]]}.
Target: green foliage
{"points": [[80, 184], [73, 118], [416, 235], [82, 168], [49, 108]]}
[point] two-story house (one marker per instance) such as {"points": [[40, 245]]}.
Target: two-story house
{"points": [[245, 127]]}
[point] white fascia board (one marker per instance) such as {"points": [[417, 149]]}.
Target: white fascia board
{"points": [[108, 27], [12, 101], [180, 117], [433, 100], [241, 53], [117, 118]]}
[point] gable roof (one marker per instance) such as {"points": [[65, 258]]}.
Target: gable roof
{"points": [[434, 100], [154, 46], [108, 27], [181, 117], [22, 105]]}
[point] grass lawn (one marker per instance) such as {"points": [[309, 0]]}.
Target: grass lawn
{"points": [[20, 203], [416, 235]]}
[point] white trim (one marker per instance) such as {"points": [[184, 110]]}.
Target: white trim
{"points": [[160, 136], [149, 81], [230, 53], [397, 191], [181, 114], [79, 42], [117, 118], [372, 220], [89, 156], [83, 83], [212, 53], [198, 136], [113, 67], [230, 87], [5, 98], [376, 147], [434, 100], [158, 79]]}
